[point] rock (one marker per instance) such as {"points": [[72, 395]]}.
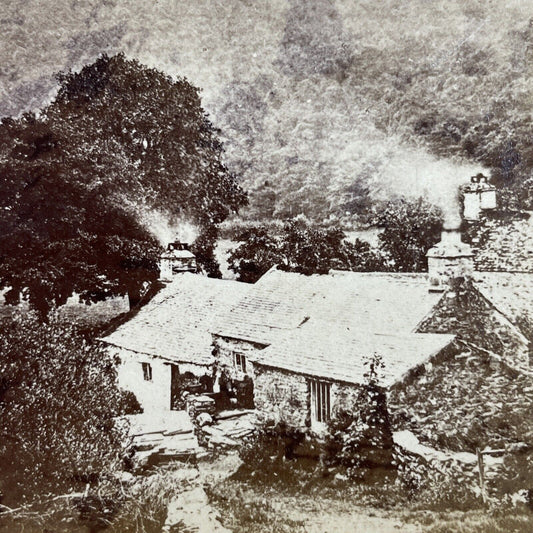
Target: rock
{"points": [[204, 419], [519, 447], [126, 477]]}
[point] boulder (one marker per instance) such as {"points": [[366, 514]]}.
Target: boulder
{"points": [[204, 419]]}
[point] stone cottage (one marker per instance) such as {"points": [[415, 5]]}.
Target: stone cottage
{"points": [[304, 340], [169, 337]]}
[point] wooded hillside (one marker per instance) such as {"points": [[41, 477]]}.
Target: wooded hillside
{"points": [[321, 102]]}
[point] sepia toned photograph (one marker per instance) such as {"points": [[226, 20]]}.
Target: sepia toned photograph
{"points": [[266, 266]]}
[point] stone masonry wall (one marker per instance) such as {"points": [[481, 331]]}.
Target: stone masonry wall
{"points": [[465, 402], [503, 245], [343, 396], [285, 396], [225, 350], [279, 395], [282, 396]]}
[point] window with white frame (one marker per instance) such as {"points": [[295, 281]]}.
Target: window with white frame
{"points": [[320, 401], [239, 361], [147, 371]]}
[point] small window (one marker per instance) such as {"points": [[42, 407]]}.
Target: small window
{"points": [[320, 401], [147, 371], [240, 362]]}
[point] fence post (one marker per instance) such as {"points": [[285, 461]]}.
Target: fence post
{"points": [[481, 469]]}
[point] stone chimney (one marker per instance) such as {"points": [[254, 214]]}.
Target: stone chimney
{"points": [[450, 258], [479, 195], [175, 260]]}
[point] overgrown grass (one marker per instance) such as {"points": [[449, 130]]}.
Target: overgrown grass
{"points": [[479, 523]]}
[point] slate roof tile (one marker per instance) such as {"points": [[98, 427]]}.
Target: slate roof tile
{"points": [[175, 324], [339, 352], [280, 301]]}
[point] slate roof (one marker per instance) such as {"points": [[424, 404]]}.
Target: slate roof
{"points": [[392, 303], [327, 325], [175, 324], [339, 352], [504, 245], [510, 293]]}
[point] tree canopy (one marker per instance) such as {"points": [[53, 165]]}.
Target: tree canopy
{"points": [[299, 246], [410, 229], [118, 139]]}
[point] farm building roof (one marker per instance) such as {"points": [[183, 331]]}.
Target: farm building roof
{"points": [[504, 245], [390, 303], [510, 293], [175, 324], [340, 352]]}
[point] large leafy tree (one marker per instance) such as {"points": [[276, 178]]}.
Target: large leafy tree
{"points": [[118, 139], [59, 235], [139, 131], [410, 229], [58, 403]]}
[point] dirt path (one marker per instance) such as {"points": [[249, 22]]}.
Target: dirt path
{"points": [[190, 510], [193, 512]]}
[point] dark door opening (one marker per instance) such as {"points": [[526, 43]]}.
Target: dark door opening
{"points": [[175, 386]]}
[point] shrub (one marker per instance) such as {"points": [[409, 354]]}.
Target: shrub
{"points": [[273, 454], [59, 401], [360, 435]]}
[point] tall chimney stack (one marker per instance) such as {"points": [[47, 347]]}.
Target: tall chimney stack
{"points": [[175, 260], [479, 195], [450, 258]]}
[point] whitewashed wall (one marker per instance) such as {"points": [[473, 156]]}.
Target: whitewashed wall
{"points": [[153, 395]]}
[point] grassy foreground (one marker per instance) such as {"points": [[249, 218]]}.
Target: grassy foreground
{"points": [[250, 507]]}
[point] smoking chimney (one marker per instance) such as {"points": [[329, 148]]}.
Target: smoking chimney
{"points": [[176, 259], [479, 195], [450, 258]]}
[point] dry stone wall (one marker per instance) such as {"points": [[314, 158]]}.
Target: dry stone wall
{"points": [[468, 401]]}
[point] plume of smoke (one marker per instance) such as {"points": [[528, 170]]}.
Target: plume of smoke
{"points": [[412, 172], [166, 230], [161, 225]]}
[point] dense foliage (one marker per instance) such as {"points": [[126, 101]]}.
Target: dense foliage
{"points": [[315, 97], [410, 229], [299, 246], [346, 92], [360, 433], [119, 139], [58, 400]]}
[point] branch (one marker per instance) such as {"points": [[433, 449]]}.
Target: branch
{"points": [[4, 509]]}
